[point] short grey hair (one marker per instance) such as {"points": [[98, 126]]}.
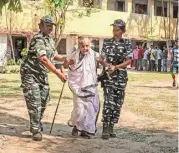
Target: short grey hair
{"points": [[81, 39]]}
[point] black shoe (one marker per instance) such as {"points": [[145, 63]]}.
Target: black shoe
{"points": [[112, 134], [105, 133], [74, 131], [174, 84], [85, 135], [37, 137]]}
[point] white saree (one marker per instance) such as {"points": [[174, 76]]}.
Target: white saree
{"points": [[82, 80]]}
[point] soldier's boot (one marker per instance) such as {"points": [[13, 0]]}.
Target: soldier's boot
{"points": [[105, 132], [111, 130], [41, 127], [36, 135]]}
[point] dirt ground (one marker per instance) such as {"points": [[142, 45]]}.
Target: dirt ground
{"points": [[148, 122]]}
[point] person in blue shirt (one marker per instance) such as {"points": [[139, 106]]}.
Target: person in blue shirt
{"points": [[175, 61]]}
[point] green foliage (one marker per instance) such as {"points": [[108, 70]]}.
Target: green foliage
{"points": [[58, 9], [13, 5], [19, 62], [11, 69], [11, 62], [24, 52]]}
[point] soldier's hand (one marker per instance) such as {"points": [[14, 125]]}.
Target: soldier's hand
{"points": [[111, 68], [62, 76]]}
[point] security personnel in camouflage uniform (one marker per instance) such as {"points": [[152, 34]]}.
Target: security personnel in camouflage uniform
{"points": [[34, 70], [115, 50]]}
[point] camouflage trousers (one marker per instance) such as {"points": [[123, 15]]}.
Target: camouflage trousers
{"points": [[114, 93], [36, 92]]}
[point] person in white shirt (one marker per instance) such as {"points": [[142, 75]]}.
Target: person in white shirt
{"points": [[145, 59]]}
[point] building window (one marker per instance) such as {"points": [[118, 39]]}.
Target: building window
{"points": [[116, 5], [175, 10], [139, 6], [120, 5], [91, 3], [88, 3], [158, 11]]}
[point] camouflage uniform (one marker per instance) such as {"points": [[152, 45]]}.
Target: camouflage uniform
{"points": [[114, 89], [34, 78]]}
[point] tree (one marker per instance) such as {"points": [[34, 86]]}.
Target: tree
{"points": [[58, 10], [13, 5]]}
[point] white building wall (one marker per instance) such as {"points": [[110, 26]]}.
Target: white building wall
{"points": [[69, 45], [3, 48], [100, 44]]}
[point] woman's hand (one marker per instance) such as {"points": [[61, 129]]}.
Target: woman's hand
{"points": [[68, 62]]}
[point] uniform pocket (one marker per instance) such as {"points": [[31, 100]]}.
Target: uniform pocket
{"points": [[45, 96], [36, 99]]}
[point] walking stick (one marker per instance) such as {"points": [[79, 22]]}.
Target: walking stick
{"points": [[57, 106]]}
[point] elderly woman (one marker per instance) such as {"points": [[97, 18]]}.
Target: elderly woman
{"points": [[83, 84]]}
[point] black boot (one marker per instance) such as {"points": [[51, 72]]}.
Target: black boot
{"points": [[105, 133], [36, 135], [111, 130], [41, 127]]}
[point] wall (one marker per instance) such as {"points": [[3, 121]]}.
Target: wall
{"points": [[3, 48], [98, 25], [138, 25]]}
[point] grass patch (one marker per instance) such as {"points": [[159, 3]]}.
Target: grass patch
{"points": [[142, 101]]}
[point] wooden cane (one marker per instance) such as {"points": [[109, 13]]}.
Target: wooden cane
{"points": [[57, 107]]}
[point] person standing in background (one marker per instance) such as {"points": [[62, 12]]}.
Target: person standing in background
{"points": [[175, 62], [140, 58], [152, 59], [164, 59], [136, 57], [145, 59], [159, 58], [169, 66]]}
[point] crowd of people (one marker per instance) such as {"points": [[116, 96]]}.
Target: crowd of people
{"points": [[154, 58]]}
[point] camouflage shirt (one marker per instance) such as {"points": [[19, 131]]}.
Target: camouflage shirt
{"points": [[39, 45], [115, 52]]}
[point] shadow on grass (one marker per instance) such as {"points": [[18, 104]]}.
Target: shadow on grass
{"points": [[9, 81], [160, 140], [8, 91], [156, 87]]}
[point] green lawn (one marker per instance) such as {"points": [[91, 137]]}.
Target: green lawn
{"points": [[147, 94]]}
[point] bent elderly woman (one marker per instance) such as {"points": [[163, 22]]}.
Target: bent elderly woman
{"points": [[82, 79]]}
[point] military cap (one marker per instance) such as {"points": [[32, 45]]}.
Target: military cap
{"points": [[120, 23], [47, 19]]}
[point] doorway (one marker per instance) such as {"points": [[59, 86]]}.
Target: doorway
{"points": [[19, 43]]}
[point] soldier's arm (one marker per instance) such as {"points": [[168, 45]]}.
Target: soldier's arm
{"points": [[124, 64], [103, 51], [59, 58], [51, 67], [41, 53]]}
